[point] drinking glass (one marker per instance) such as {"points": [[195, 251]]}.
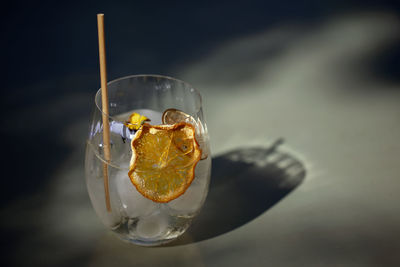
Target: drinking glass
{"points": [[134, 217]]}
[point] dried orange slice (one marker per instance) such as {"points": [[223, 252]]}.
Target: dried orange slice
{"points": [[172, 115], [163, 160]]}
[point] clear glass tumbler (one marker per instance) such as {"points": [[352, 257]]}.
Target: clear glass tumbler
{"points": [[133, 217]]}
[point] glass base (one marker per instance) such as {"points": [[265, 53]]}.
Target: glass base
{"points": [[152, 231]]}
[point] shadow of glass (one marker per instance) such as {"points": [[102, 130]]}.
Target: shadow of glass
{"points": [[244, 184]]}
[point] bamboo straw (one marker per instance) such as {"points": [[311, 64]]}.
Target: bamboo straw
{"points": [[104, 104]]}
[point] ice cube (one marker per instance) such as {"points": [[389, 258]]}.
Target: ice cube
{"points": [[192, 200], [133, 203], [154, 116], [152, 226], [189, 202], [96, 193]]}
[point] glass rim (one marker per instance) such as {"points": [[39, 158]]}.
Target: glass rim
{"points": [[90, 146], [187, 85]]}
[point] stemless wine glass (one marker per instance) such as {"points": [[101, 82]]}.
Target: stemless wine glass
{"points": [[134, 217]]}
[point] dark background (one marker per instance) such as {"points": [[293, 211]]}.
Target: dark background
{"points": [[50, 72], [50, 51]]}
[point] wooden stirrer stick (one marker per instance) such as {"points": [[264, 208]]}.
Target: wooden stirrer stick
{"points": [[104, 105]]}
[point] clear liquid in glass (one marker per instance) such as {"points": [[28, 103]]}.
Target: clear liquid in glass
{"points": [[133, 217]]}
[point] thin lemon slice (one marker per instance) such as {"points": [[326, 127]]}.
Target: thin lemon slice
{"points": [[163, 161], [172, 115]]}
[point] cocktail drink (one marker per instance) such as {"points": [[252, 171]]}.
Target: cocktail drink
{"points": [[160, 162]]}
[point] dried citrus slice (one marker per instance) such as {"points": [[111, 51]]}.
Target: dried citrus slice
{"points": [[163, 160], [172, 115]]}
